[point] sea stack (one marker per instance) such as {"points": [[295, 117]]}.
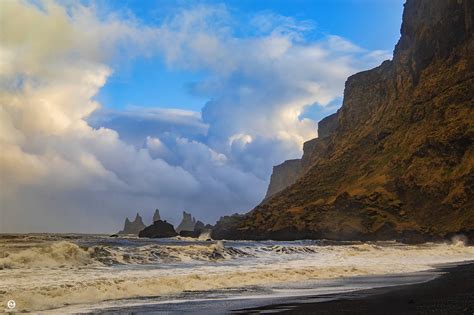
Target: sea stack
{"points": [[159, 229], [187, 223], [133, 227], [156, 215]]}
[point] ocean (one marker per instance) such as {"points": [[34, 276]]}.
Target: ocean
{"points": [[76, 273]]}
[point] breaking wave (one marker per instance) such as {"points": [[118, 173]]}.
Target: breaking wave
{"points": [[63, 253], [58, 254], [56, 273], [68, 254]]}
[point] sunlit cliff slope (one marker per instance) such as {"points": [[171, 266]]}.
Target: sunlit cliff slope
{"points": [[396, 161]]}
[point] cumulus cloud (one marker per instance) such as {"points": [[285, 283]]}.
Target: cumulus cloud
{"points": [[49, 151], [68, 164]]}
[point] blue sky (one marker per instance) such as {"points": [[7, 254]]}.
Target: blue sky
{"points": [[149, 82]]}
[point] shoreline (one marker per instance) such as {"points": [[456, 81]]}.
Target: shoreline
{"points": [[445, 289], [104, 275], [452, 292]]}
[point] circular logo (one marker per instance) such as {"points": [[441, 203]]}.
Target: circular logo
{"points": [[11, 304]]}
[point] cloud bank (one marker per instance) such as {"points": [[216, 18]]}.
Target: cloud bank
{"points": [[69, 164]]}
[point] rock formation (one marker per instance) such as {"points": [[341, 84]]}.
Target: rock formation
{"points": [[283, 176], [396, 160], [193, 234], [133, 227], [288, 172], [159, 229], [156, 215], [199, 228], [187, 223], [327, 126]]}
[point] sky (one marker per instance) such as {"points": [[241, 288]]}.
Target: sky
{"points": [[113, 107]]}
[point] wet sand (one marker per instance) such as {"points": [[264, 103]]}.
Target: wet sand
{"points": [[450, 293]]}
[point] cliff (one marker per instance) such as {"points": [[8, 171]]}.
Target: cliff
{"points": [[283, 175], [396, 160], [327, 126], [288, 172]]}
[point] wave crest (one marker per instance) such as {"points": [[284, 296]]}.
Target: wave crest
{"points": [[57, 254]]}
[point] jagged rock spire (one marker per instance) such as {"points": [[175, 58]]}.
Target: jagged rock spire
{"points": [[133, 227], [156, 215], [187, 223]]}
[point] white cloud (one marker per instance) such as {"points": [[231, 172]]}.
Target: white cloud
{"points": [[48, 148], [66, 164], [136, 124]]}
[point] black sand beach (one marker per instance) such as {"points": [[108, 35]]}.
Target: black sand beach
{"points": [[448, 290], [450, 293]]}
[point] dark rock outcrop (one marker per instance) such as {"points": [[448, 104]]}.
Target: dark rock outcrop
{"points": [[133, 227], [199, 228], [229, 227], [159, 229], [187, 223], [193, 234], [396, 161]]}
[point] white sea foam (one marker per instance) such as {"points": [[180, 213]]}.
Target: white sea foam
{"points": [[57, 273], [53, 255]]}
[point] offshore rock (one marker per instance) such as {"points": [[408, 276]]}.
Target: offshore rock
{"points": [[159, 229], [156, 215], [133, 227], [187, 223], [199, 228], [193, 234]]}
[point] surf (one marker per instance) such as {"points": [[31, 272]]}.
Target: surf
{"points": [[50, 272]]}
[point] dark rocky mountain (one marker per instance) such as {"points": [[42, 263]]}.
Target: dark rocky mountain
{"points": [[396, 160], [133, 227], [159, 229]]}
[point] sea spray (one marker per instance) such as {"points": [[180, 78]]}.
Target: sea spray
{"points": [[57, 254]]}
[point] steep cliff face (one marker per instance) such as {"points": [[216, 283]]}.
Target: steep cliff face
{"points": [[288, 172], [396, 161], [283, 175], [327, 126]]}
